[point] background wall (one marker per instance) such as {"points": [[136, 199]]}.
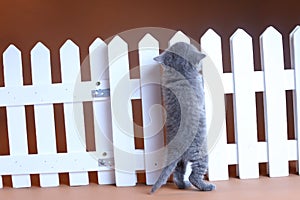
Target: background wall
{"points": [[24, 23]]}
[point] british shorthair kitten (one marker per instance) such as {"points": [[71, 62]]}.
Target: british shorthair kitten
{"points": [[183, 98]]}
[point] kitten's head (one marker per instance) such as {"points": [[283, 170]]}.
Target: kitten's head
{"points": [[181, 56]]}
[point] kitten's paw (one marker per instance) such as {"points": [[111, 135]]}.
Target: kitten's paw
{"points": [[183, 184], [209, 187], [201, 184]]}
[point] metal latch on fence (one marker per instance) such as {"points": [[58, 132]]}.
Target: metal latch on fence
{"points": [[108, 162], [100, 93]]}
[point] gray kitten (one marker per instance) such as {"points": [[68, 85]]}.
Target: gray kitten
{"points": [[183, 98]]}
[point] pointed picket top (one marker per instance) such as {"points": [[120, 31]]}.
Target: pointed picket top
{"points": [[11, 53], [148, 49], [98, 60], [69, 45], [39, 47], [12, 61], [117, 48], [240, 35], [211, 45], [241, 51], [70, 62], [272, 47], [295, 48], [295, 30], [295, 34], [179, 37], [11, 48], [40, 62], [148, 41], [270, 35], [118, 60], [271, 31], [210, 35], [96, 44]]}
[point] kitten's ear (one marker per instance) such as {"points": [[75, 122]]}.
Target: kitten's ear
{"points": [[196, 57], [200, 56], [159, 59]]}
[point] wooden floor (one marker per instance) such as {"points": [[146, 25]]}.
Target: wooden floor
{"points": [[263, 188]]}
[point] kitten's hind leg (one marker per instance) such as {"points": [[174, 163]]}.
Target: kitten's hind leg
{"points": [[178, 175], [199, 168]]}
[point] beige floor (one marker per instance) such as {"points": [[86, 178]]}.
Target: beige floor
{"points": [[264, 188]]}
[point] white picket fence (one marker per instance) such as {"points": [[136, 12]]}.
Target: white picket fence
{"points": [[116, 159]]}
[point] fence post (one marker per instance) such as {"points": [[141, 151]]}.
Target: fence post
{"points": [[121, 110], [44, 114], [73, 112], [101, 109], [244, 104], [295, 57], [218, 162], [16, 119], [274, 102], [153, 120]]}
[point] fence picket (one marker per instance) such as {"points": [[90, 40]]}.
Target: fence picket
{"points": [[244, 104], [274, 102], [179, 37], [218, 163], [121, 110], [16, 119], [153, 121], [44, 114], [295, 60], [101, 109], [73, 112]]}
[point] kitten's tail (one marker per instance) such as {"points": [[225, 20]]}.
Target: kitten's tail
{"points": [[162, 179]]}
